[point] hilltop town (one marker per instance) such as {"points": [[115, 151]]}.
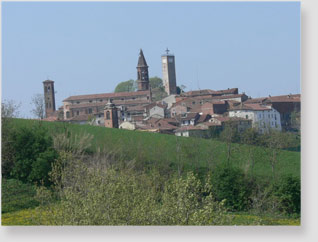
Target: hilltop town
{"points": [[193, 113]]}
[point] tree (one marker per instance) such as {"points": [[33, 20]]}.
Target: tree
{"points": [[9, 110], [33, 154], [39, 106], [181, 89], [229, 135], [156, 82], [126, 86], [275, 141], [250, 137]]}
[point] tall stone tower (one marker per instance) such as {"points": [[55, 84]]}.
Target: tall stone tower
{"points": [[110, 115], [49, 98], [169, 73], [142, 73]]}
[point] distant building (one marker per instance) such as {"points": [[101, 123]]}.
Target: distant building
{"points": [[142, 73], [263, 117], [49, 98], [284, 104], [169, 73]]}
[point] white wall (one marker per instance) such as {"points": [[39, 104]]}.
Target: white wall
{"points": [[263, 120]]}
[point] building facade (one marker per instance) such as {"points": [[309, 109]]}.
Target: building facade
{"points": [[142, 73], [169, 73], [49, 98]]}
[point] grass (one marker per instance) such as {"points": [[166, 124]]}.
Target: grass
{"points": [[167, 152], [172, 152], [33, 216], [21, 217]]}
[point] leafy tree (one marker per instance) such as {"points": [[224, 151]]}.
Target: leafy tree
{"points": [[276, 141], [229, 135], [229, 183], [181, 89], [251, 138], [39, 106], [9, 110], [287, 192], [156, 82], [33, 154], [126, 86]]}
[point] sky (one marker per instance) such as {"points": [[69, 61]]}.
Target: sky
{"points": [[89, 47]]}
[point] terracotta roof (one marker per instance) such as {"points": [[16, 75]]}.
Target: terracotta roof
{"points": [[199, 92], [227, 91], [151, 105], [256, 100], [252, 106], [160, 124], [204, 117], [187, 116], [285, 98], [136, 108], [107, 95]]}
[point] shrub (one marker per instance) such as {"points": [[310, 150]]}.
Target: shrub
{"points": [[33, 154], [287, 192], [230, 183]]}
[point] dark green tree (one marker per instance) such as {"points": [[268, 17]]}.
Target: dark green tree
{"points": [[33, 154]]}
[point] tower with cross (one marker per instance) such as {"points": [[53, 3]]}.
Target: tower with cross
{"points": [[169, 73]]}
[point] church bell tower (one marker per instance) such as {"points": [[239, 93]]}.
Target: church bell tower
{"points": [[110, 115], [169, 73], [142, 73], [49, 98]]}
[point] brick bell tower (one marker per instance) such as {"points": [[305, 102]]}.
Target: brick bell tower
{"points": [[142, 73], [110, 115], [49, 98]]}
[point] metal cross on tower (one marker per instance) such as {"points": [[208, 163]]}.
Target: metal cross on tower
{"points": [[167, 50]]}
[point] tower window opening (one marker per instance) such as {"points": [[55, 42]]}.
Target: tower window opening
{"points": [[107, 115]]}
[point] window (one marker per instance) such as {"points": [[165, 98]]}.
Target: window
{"points": [[90, 101], [193, 103], [77, 112], [78, 102], [101, 100], [246, 116], [107, 115], [90, 110]]}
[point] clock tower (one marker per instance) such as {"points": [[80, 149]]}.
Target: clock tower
{"points": [[169, 73], [142, 73]]}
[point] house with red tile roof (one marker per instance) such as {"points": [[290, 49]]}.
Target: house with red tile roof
{"points": [[264, 117]]}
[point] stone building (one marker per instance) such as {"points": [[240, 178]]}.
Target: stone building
{"points": [[142, 73], [169, 73], [264, 117], [49, 98]]}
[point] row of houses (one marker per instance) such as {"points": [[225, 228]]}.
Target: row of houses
{"points": [[195, 113]]}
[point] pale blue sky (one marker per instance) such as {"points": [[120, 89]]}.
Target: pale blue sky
{"points": [[90, 47]]}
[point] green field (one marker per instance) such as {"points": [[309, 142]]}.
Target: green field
{"points": [[167, 153], [172, 152]]}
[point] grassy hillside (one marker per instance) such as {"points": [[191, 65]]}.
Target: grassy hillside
{"points": [[171, 152]]}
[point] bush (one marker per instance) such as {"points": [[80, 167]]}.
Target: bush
{"points": [[230, 183], [17, 195], [33, 154], [287, 192]]}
